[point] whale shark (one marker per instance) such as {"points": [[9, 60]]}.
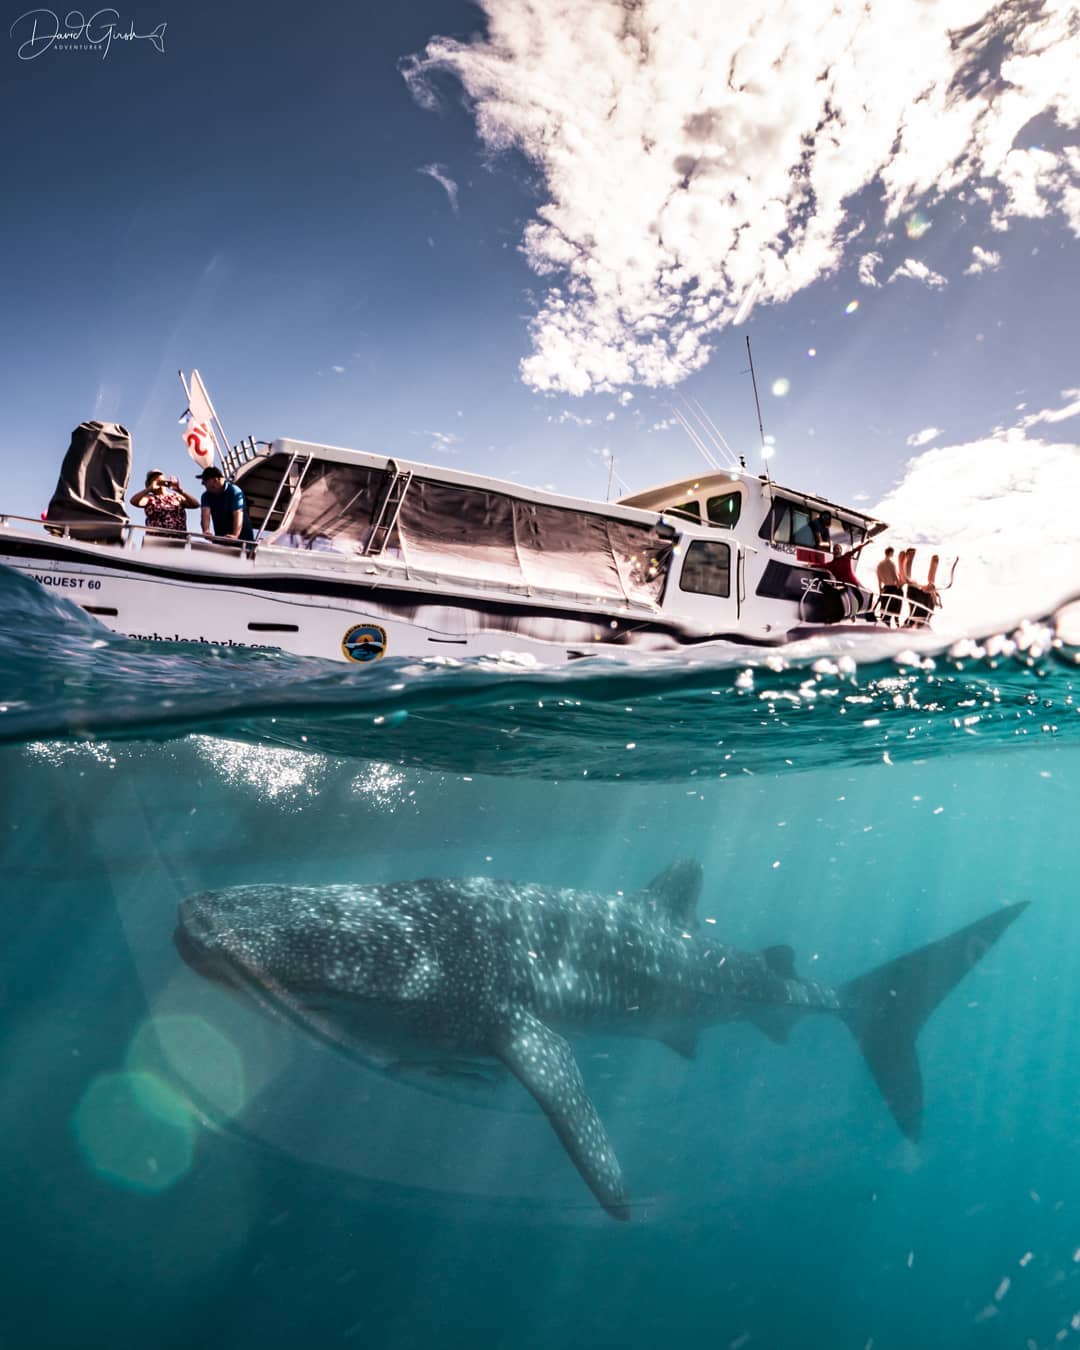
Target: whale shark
{"points": [[452, 973]]}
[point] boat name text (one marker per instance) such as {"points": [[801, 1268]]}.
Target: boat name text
{"points": [[72, 583]]}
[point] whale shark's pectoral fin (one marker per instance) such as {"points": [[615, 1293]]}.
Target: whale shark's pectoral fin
{"points": [[464, 1072], [682, 1042], [674, 893], [545, 1064]]}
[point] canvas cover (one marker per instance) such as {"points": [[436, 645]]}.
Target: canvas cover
{"points": [[480, 535], [89, 496]]}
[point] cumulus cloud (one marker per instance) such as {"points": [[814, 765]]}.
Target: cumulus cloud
{"points": [[982, 260], [440, 175], [338, 370], [985, 502], [867, 265], [918, 271], [567, 416], [924, 437], [700, 160]]}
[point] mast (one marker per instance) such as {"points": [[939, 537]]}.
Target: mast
{"points": [[757, 405]]}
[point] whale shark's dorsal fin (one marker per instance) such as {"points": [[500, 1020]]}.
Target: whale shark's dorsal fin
{"points": [[781, 960], [674, 893], [545, 1064]]}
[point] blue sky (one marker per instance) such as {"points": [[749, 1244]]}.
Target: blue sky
{"points": [[253, 201]]}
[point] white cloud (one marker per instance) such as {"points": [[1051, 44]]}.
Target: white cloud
{"points": [[625, 398], [982, 260], [567, 416], [924, 437], [867, 263], [442, 441], [338, 370], [997, 505], [700, 160], [442, 177], [1071, 409], [610, 417], [918, 271]]}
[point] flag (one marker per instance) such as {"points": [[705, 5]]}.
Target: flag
{"points": [[199, 440]]}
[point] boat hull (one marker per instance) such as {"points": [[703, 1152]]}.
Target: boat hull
{"points": [[193, 592]]}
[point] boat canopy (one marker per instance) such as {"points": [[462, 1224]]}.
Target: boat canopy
{"points": [[464, 529]]}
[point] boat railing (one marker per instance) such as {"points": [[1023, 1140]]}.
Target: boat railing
{"points": [[129, 534], [133, 537], [242, 453]]}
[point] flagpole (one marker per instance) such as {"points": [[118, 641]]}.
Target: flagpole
{"points": [[226, 444]]}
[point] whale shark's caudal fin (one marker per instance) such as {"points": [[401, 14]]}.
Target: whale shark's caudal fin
{"points": [[545, 1064], [887, 1008]]}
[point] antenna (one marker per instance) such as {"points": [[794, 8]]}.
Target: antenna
{"points": [[704, 417], [706, 454], [706, 434], [757, 405]]}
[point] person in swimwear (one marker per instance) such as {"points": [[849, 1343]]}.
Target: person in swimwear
{"points": [[890, 596]]}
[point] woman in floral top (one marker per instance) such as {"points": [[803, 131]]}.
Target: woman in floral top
{"points": [[164, 501]]}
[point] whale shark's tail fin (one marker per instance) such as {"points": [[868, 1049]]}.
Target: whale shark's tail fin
{"points": [[886, 1008]]}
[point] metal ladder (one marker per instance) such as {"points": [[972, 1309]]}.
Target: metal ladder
{"points": [[389, 508], [293, 479]]}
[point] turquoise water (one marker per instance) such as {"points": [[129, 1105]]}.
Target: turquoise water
{"points": [[180, 1170]]}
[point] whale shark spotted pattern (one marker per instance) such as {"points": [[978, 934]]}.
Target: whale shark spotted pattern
{"points": [[458, 970]]}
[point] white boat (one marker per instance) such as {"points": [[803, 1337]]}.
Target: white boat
{"points": [[359, 556]]}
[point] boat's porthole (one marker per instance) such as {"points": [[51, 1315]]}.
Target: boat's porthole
{"points": [[364, 642]]}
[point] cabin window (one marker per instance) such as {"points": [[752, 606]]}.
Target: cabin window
{"points": [[690, 510], [707, 569], [724, 510], [790, 523]]}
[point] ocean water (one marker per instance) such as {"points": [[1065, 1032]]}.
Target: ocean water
{"points": [[179, 1170]]}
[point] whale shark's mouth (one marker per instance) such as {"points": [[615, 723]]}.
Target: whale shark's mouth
{"points": [[210, 965]]}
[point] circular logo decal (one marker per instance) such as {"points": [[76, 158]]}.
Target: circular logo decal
{"points": [[365, 642]]}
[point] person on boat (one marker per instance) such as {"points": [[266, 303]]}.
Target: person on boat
{"points": [[922, 597], [890, 596], [821, 526], [842, 569], [165, 503], [224, 508]]}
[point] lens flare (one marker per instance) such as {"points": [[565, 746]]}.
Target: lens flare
{"points": [[135, 1131], [187, 1047], [780, 387], [916, 225], [851, 307]]}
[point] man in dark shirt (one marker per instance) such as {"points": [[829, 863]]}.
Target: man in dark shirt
{"points": [[821, 525], [224, 508]]}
